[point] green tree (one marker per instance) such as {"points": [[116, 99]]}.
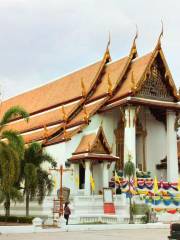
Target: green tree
{"points": [[11, 154], [129, 172], [36, 181]]}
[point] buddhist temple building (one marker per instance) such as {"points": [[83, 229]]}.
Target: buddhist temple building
{"points": [[92, 119]]}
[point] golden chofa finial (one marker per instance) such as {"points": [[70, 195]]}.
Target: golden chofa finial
{"points": [[133, 84], [133, 48], [83, 89], [133, 53], [160, 36], [86, 115], [109, 85], [64, 114], [107, 55], [65, 132], [45, 132]]}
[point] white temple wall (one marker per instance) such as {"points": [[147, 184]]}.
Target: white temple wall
{"points": [[155, 145], [98, 177], [62, 151], [58, 153]]}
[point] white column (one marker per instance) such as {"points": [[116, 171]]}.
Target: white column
{"points": [[105, 175], [130, 134], [76, 178], [87, 189], [172, 158]]}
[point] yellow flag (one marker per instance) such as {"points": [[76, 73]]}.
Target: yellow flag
{"points": [[116, 178], [92, 183], [77, 181], [178, 186], [135, 182], [155, 185]]}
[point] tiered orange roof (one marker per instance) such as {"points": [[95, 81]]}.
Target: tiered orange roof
{"points": [[55, 93], [72, 100]]}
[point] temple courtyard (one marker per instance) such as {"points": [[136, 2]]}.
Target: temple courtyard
{"points": [[137, 234]]}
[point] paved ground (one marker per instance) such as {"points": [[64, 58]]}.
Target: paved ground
{"points": [[144, 234]]}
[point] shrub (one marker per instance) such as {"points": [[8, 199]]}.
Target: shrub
{"points": [[144, 219], [16, 219]]}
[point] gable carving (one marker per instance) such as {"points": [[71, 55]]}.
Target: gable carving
{"points": [[99, 147], [154, 86]]}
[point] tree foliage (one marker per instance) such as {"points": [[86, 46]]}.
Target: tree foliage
{"points": [[36, 180], [11, 154]]}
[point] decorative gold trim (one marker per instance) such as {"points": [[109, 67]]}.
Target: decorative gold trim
{"points": [[65, 117], [158, 50], [86, 115], [65, 132], [46, 133], [110, 88]]}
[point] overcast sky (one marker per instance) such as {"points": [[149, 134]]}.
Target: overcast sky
{"points": [[43, 39]]}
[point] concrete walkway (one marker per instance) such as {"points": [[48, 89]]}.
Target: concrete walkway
{"points": [[78, 228], [135, 234]]}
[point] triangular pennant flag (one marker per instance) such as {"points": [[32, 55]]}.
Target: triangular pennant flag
{"points": [[155, 188], [135, 182], [92, 183], [116, 178]]}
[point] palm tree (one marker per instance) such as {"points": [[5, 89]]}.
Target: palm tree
{"points": [[11, 154], [129, 172], [36, 180]]}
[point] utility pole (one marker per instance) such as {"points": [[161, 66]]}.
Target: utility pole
{"points": [[61, 170]]}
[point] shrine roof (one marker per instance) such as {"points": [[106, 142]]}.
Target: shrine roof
{"points": [[93, 143], [93, 157]]}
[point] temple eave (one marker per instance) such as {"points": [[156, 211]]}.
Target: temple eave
{"points": [[142, 101], [93, 156]]}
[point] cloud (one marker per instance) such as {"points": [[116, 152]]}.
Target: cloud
{"points": [[42, 39]]}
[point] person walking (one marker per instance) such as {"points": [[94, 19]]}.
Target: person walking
{"points": [[67, 212]]}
